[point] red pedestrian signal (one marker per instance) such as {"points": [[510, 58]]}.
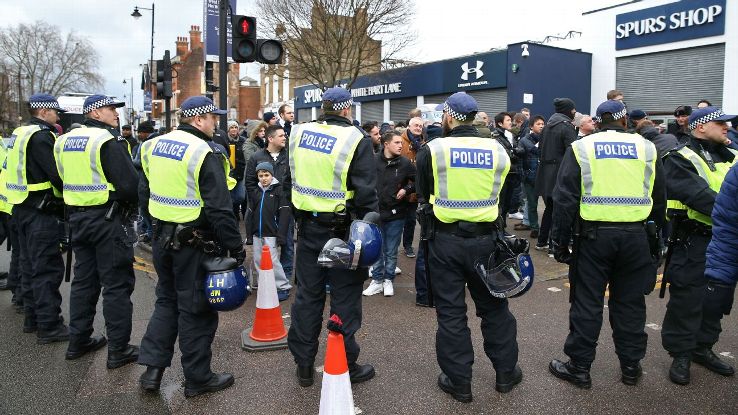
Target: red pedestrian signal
{"points": [[243, 48]]}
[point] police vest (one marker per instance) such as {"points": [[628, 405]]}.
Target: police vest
{"points": [[714, 179], [320, 156], [468, 174], [17, 186], [172, 165], [618, 171], [77, 155], [5, 207]]}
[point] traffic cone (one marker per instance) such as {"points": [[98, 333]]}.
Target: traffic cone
{"points": [[336, 397], [268, 324]]}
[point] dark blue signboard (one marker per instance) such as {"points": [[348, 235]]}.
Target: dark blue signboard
{"points": [[481, 71], [147, 101], [211, 22], [669, 23]]}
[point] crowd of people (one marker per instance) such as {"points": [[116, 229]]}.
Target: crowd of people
{"points": [[608, 182]]}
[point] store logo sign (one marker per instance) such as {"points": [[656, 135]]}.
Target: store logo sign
{"points": [[670, 23], [476, 71]]}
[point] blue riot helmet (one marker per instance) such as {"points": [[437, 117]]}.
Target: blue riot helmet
{"points": [[508, 271], [363, 248], [226, 283]]}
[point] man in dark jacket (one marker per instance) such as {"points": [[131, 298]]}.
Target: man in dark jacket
{"points": [[557, 136], [276, 154], [529, 166], [681, 129], [663, 142], [501, 133], [235, 152], [395, 184]]}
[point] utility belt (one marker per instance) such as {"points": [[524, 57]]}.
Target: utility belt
{"points": [[690, 227], [112, 208], [588, 229], [335, 221], [47, 203], [175, 235], [464, 229]]}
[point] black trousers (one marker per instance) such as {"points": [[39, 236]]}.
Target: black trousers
{"points": [[103, 254], [14, 276], [545, 229], [307, 310], [619, 258], [685, 325], [451, 264], [181, 309], [42, 267]]}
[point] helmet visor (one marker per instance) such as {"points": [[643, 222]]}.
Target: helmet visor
{"points": [[335, 254], [509, 278]]}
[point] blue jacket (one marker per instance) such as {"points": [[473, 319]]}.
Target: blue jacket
{"points": [[529, 146], [722, 253]]}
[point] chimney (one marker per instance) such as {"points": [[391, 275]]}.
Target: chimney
{"points": [[182, 45], [195, 37]]}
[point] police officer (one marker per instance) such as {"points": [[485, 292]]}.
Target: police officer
{"points": [[333, 179], [611, 183], [185, 190], [696, 170], [33, 185], [9, 280], [461, 175], [100, 188]]}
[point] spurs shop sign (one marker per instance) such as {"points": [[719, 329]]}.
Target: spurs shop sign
{"points": [[673, 22]]}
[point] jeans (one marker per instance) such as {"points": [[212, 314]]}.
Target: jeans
{"points": [[287, 256], [408, 233], [146, 227], [421, 283], [384, 268], [531, 202], [515, 194], [238, 194]]}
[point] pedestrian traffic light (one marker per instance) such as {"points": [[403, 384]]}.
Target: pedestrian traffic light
{"points": [[209, 78], [269, 51], [164, 77], [243, 48]]}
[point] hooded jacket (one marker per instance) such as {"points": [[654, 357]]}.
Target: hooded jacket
{"points": [[663, 142], [392, 175], [268, 214], [557, 136], [723, 248]]}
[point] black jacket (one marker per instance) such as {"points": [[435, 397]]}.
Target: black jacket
{"points": [[392, 175], [40, 164], [362, 173], [568, 191], [269, 212], [217, 214], [512, 149], [684, 184], [529, 158], [118, 165], [556, 138], [663, 142], [281, 170]]}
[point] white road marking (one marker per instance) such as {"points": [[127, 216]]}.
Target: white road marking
{"points": [[727, 354], [357, 410], [653, 326], [554, 289]]}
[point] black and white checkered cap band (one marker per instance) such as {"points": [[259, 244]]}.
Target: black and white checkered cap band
{"points": [[455, 115], [191, 112], [706, 118], [98, 104], [615, 116], [45, 104], [338, 106]]}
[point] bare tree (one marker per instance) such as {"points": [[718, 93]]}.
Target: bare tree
{"points": [[332, 40], [49, 62]]}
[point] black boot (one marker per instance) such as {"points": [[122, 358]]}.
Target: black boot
{"points": [[4, 283], [630, 373], [572, 372], [29, 324], [218, 381], [360, 373], [305, 375], [507, 380], [679, 370], [706, 357], [150, 380], [122, 357], [58, 334], [92, 344], [461, 393]]}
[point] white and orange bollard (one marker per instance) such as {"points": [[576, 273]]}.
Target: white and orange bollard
{"points": [[336, 397]]}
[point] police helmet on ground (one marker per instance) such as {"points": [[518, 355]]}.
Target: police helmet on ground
{"points": [[226, 283], [508, 271], [363, 248]]}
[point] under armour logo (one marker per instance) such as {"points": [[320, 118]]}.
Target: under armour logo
{"points": [[477, 70]]}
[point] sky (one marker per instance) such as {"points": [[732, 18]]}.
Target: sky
{"points": [[444, 29]]}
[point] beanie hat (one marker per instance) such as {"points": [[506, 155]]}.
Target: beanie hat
{"points": [[232, 123], [564, 106], [268, 116], [266, 166]]}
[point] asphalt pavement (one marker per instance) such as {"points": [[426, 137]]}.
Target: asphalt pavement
{"points": [[397, 337]]}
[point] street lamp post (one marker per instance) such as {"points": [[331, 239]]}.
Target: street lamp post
{"points": [[130, 120], [136, 15]]}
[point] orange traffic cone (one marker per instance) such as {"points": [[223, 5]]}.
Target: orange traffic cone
{"points": [[335, 393], [268, 324]]}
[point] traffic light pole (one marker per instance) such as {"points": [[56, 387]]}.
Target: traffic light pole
{"points": [[168, 112], [223, 63]]}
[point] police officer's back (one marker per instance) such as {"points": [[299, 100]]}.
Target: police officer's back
{"points": [[610, 184], [186, 190], [461, 175], [33, 186], [333, 179], [695, 172], [100, 191]]}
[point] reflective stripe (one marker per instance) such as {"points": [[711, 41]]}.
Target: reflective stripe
{"points": [[96, 144], [442, 172], [339, 195], [502, 161], [343, 156], [696, 162], [464, 204], [616, 200], [31, 187], [85, 187], [21, 143], [192, 167], [174, 201]]}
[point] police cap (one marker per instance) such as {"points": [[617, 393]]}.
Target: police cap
{"points": [[340, 98], [707, 114], [199, 105], [94, 102], [613, 107], [460, 106], [44, 101]]}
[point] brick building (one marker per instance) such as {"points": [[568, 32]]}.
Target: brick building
{"points": [[188, 63]]}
